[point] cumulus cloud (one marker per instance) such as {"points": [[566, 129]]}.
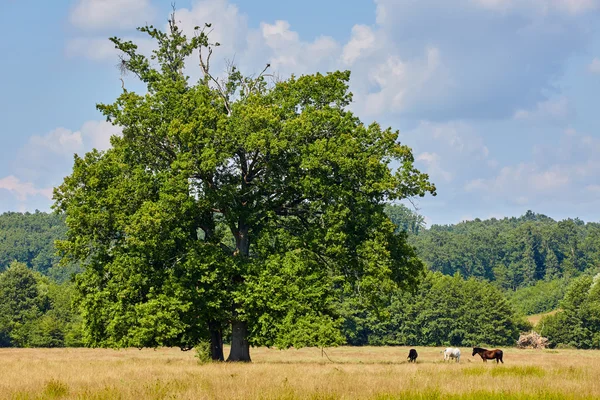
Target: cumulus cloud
{"points": [[494, 62], [362, 40], [102, 14]]}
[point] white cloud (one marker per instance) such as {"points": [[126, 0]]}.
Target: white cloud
{"points": [[23, 190], [432, 161], [45, 159], [492, 62], [399, 84], [287, 53], [62, 141], [58, 141], [101, 14], [555, 109], [570, 132], [431, 59], [228, 26], [521, 182], [594, 66], [362, 40], [563, 172], [455, 137], [97, 134]]}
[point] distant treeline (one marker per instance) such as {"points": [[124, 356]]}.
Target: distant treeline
{"points": [[511, 252]]}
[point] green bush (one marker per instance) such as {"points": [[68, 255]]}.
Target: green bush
{"points": [[578, 323], [542, 297], [202, 350]]}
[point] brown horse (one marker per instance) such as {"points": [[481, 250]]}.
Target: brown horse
{"points": [[488, 354]]}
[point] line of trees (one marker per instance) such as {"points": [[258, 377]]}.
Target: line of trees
{"points": [[442, 310]]}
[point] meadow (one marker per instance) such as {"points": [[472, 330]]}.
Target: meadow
{"points": [[352, 373]]}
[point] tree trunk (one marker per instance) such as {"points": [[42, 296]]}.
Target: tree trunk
{"points": [[240, 349], [216, 342]]}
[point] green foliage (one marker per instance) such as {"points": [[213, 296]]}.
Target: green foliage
{"points": [[405, 219], [29, 238], [34, 312], [578, 322], [444, 311], [202, 351], [238, 201], [21, 303], [542, 297]]}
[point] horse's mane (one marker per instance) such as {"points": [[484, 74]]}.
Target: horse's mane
{"points": [[479, 349]]}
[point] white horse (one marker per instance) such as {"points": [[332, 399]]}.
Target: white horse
{"points": [[452, 352]]}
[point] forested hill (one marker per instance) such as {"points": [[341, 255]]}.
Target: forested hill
{"points": [[512, 252], [29, 238]]}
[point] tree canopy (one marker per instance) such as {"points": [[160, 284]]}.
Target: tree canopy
{"points": [[233, 202]]}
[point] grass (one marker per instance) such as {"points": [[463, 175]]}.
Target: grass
{"points": [[535, 318], [356, 373]]}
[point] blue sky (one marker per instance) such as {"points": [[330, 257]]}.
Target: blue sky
{"points": [[497, 98]]}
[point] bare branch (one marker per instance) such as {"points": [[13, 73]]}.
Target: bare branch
{"points": [[204, 65]]}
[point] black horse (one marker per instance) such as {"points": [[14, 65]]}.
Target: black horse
{"points": [[412, 355], [486, 354]]}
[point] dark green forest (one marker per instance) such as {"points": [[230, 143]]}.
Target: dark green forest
{"points": [[503, 268]]}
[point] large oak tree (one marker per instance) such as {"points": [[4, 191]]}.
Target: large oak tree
{"points": [[236, 203]]}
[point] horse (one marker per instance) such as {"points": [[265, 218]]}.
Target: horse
{"points": [[412, 355], [452, 352], [488, 354]]}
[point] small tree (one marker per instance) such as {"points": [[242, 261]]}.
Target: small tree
{"points": [[21, 304], [233, 202]]}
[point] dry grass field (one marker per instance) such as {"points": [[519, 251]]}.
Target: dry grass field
{"points": [[535, 318], [355, 373]]}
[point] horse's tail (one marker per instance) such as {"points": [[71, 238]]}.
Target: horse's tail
{"points": [[500, 354]]}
